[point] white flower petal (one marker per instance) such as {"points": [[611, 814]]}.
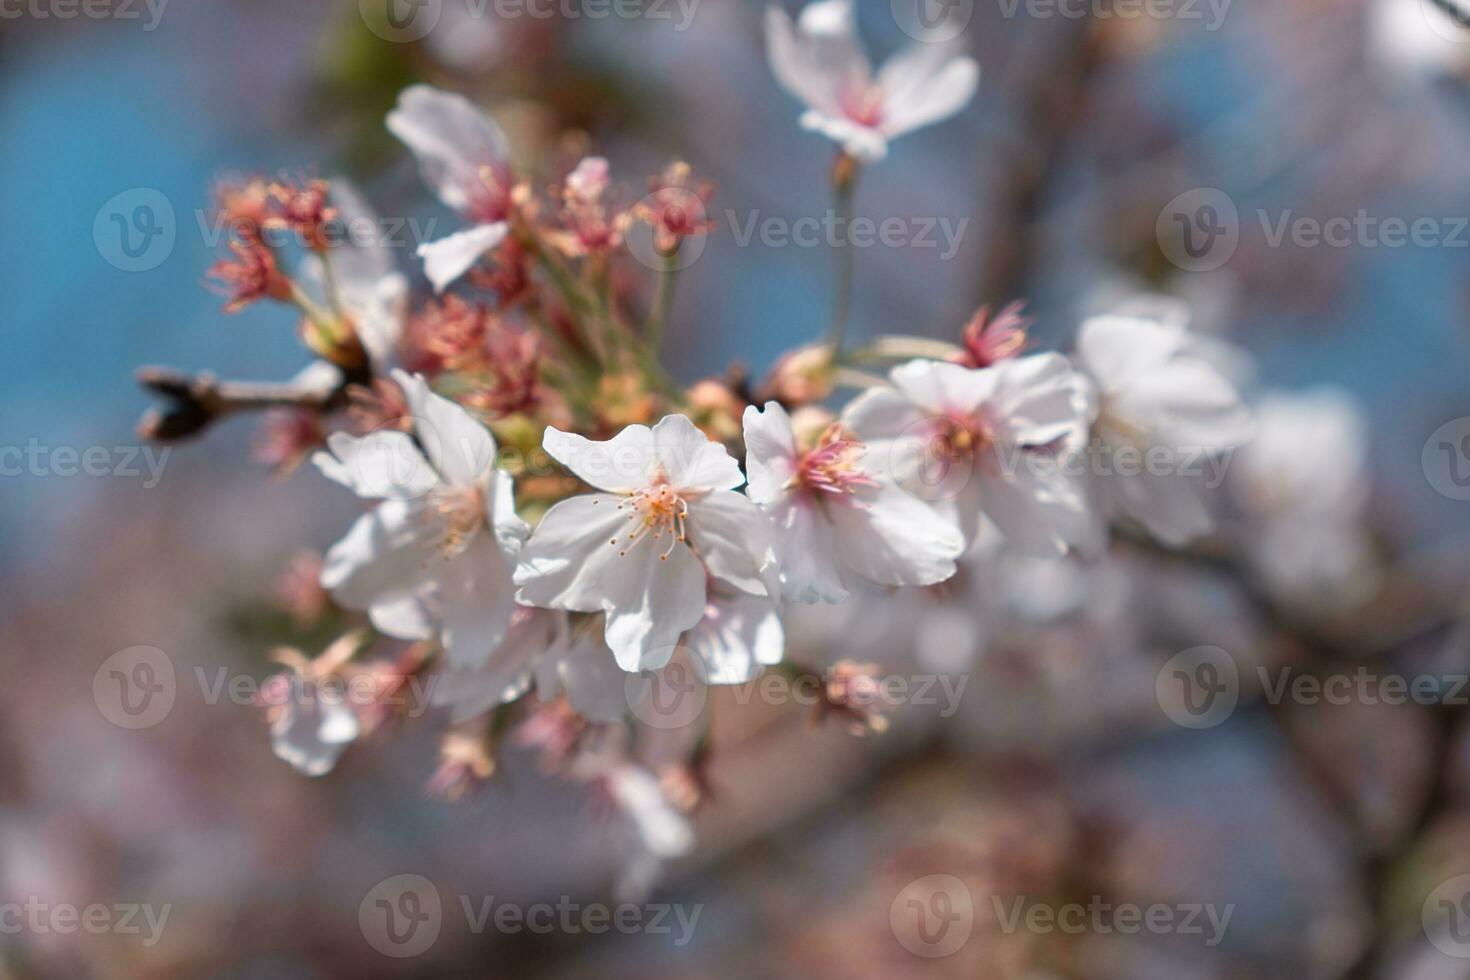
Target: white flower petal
{"points": [[384, 555], [689, 459], [651, 602], [568, 555], [810, 572], [770, 451], [405, 617], [1040, 510], [451, 257], [622, 464], [924, 85], [462, 450], [738, 635], [891, 537], [377, 465], [941, 388], [1116, 350], [585, 672], [452, 139], [476, 599], [735, 540]]}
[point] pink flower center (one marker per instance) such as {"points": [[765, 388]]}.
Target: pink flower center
{"points": [[453, 516], [833, 466], [864, 106]]}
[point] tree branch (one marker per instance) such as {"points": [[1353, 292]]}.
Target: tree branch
{"points": [[195, 402]]}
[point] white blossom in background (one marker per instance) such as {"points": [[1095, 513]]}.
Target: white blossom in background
{"points": [[507, 672], [583, 670], [373, 291], [837, 516], [1162, 417], [437, 554], [312, 729], [641, 550], [820, 61], [1302, 486], [993, 443], [465, 159], [739, 636]]}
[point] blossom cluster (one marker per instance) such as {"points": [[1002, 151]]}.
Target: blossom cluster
{"points": [[549, 513]]}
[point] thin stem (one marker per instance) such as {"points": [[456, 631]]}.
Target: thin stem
{"points": [[844, 187], [663, 300], [331, 286]]}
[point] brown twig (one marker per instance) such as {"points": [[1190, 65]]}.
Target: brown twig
{"points": [[194, 402]]}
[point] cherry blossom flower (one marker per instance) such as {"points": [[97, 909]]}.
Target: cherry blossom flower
{"points": [[1161, 410], [311, 721], [640, 550], [990, 340], [438, 552], [993, 442], [464, 157], [1302, 483], [820, 61], [838, 517]]}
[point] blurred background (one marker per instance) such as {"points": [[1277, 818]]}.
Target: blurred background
{"points": [[1064, 776]]}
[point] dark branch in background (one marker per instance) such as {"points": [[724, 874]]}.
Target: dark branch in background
{"points": [[194, 402], [1051, 116]]}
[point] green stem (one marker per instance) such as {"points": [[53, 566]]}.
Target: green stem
{"points": [[844, 187], [663, 300]]}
